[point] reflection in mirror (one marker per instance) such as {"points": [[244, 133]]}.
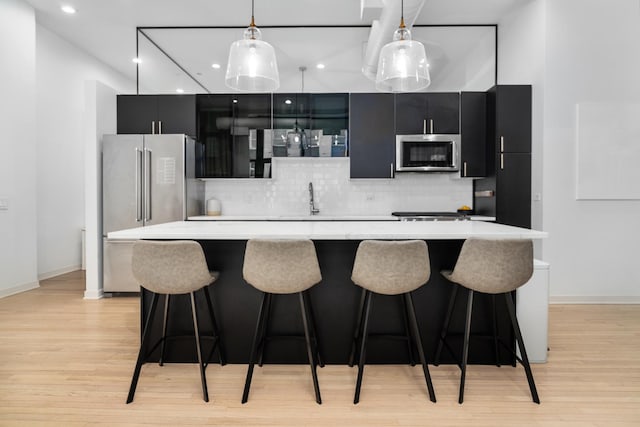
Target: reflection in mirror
{"points": [[462, 58]]}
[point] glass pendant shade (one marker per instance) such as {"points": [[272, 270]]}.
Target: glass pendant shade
{"points": [[252, 64], [403, 65]]}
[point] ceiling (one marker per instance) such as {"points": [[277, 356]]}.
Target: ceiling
{"points": [[107, 29]]}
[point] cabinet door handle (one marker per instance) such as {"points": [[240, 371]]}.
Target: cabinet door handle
{"points": [[424, 126], [153, 127], [138, 185], [392, 171], [430, 125], [147, 185], [501, 161], [502, 144], [464, 169], [160, 127]]}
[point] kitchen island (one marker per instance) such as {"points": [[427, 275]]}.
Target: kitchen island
{"points": [[335, 299]]}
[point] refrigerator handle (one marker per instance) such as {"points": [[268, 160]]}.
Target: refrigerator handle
{"points": [[147, 185], [138, 185]]}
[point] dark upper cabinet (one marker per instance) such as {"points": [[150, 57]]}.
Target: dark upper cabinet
{"points": [[473, 134], [330, 112], [372, 135], [291, 110], [234, 133], [512, 105], [320, 119], [418, 113], [506, 192], [147, 114]]}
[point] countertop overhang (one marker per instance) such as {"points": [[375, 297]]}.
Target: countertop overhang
{"points": [[326, 230]]}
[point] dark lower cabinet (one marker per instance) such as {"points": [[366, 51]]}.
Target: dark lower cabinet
{"points": [[156, 114], [513, 189], [473, 134], [418, 113], [372, 135]]}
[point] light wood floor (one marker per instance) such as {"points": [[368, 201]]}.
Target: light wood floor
{"points": [[68, 361]]}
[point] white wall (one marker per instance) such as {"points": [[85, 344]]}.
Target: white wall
{"points": [[591, 53], [62, 70], [335, 193], [18, 253]]}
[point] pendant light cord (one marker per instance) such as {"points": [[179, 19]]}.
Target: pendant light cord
{"points": [[302, 70], [253, 23], [401, 14]]}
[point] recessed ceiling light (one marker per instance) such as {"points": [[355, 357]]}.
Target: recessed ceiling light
{"points": [[320, 66], [137, 60], [235, 101], [216, 66], [68, 9], [287, 101], [180, 90]]}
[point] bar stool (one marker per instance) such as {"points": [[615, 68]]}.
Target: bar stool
{"points": [[490, 266], [282, 267], [389, 268], [173, 268]]}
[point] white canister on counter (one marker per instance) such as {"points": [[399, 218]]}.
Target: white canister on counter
{"points": [[214, 207]]}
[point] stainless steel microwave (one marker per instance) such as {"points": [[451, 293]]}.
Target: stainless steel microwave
{"points": [[427, 153]]}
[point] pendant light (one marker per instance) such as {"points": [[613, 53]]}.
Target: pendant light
{"points": [[252, 62], [297, 138], [402, 66]]}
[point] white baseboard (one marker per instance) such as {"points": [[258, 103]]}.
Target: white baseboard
{"points": [[93, 294], [18, 289], [59, 271], [593, 299]]}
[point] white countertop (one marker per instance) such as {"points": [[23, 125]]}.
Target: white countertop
{"points": [[312, 218], [293, 218], [325, 230]]}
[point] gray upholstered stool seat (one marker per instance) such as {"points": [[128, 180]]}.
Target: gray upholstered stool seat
{"points": [[282, 267], [173, 268], [390, 268], [490, 266]]}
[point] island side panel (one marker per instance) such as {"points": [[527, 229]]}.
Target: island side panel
{"points": [[335, 302]]}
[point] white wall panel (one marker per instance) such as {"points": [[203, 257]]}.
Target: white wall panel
{"points": [[18, 254], [62, 70]]}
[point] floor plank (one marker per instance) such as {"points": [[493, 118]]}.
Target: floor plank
{"points": [[68, 361]]}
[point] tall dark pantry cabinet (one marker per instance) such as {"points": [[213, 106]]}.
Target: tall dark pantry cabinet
{"points": [[506, 192]]}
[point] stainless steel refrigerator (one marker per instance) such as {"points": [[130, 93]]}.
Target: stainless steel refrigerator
{"points": [[146, 180]]}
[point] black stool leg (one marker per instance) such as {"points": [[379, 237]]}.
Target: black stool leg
{"points": [[216, 331], [165, 321], [445, 326], [363, 346], [312, 325], [194, 311], [143, 347], [356, 331], [254, 346], [407, 331], [465, 345], [305, 324], [523, 351], [416, 335], [494, 320], [262, 344]]}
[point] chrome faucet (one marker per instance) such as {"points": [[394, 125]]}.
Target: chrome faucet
{"points": [[312, 207]]}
